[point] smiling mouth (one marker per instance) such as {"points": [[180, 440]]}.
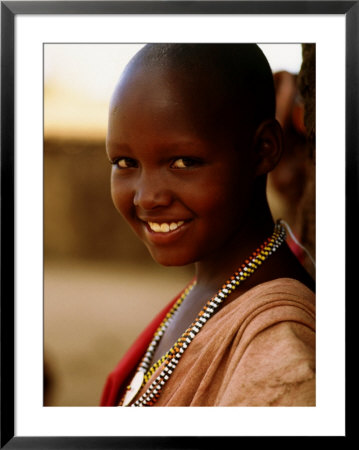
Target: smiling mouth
{"points": [[165, 227]]}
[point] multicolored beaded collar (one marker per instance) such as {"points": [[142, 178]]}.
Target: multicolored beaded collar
{"points": [[172, 357]]}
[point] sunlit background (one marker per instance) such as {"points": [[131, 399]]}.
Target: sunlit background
{"points": [[79, 80], [101, 286]]}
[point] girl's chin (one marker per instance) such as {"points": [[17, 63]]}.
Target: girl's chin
{"points": [[168, 259]]}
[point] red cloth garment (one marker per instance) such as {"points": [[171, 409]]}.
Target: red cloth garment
{"points": [[131, 359]]}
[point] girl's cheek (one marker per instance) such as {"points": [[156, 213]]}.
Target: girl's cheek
{"points": [[117, 197], [122, 198]]}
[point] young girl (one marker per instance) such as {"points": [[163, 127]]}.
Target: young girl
{"points": [[191, 138]]}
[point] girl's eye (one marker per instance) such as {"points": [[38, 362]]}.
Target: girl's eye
{"points": [[125, 163], [183, 163]]}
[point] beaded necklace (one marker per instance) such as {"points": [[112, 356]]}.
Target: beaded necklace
{"points": [[172, 357]]}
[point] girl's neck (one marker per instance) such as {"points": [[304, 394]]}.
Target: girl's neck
{"points": [[214, 270]]}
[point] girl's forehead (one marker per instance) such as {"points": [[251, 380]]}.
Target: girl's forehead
{"points": [[152, 81], [179, 96]]}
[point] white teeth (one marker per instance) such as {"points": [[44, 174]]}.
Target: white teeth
{"points": [[155, 226], [165, 227]]}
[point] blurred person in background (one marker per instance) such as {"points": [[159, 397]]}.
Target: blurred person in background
{"points": [[288, 180]]}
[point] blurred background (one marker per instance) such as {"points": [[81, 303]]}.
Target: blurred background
{"points": [[100, 285]]}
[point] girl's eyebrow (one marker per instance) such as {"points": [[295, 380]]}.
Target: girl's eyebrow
{"points": [[114, 147], [165, 145], [170, 147]]}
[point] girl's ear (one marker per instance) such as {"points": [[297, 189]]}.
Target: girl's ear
{"points": [[267, 146]]}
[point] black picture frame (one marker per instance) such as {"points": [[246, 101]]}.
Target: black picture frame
{"points": [[9, 10]]}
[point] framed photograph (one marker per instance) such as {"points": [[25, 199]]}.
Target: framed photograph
{"points": [[62, 270]]}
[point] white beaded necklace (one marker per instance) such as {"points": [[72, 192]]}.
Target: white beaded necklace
{"points": [[172, 357]]}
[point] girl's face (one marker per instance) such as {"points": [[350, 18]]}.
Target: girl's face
{"points": [[182, 188]]}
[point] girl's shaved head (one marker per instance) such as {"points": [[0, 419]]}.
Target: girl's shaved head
{"points": [[233, 79]]}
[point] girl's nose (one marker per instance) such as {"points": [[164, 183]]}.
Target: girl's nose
{"points": [[151, 192]]}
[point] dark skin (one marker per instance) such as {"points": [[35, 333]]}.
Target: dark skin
{"points": [[171, 170]]}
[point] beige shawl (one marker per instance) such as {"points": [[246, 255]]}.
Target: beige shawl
{"points": [[257, 350]]}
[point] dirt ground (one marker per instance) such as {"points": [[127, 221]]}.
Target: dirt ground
{"points": [[92, 313]]}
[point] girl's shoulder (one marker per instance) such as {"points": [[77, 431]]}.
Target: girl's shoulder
{"points": [[267, 304]]}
